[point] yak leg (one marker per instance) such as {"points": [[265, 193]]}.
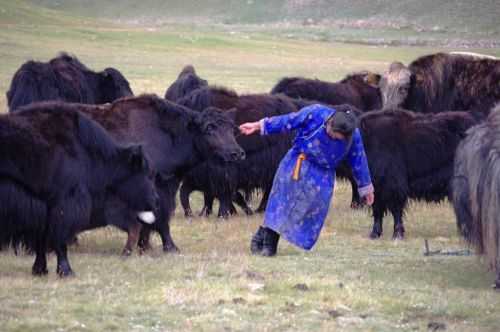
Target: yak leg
{"points": [[240, 200], [378, 218], [166, 239], [132, 238], [63, 267], [263, 201], [497, 282], [144, 243], [226, 207], [40, 266], [184, 193], [71, 213], [399, 229], [208, 204]]}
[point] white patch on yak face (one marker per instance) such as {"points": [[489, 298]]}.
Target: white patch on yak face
{"points": [[147, 216], [394, 85]]}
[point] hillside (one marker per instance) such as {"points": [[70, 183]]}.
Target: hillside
{"points": [[412, 22]]}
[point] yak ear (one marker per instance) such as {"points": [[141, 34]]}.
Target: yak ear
{"points": [[231, 114], [136, 157], [372, 79]]}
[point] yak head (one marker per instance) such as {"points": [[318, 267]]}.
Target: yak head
{"points": [[134, 183], [395, 85], [112, 85], [215, 135]]}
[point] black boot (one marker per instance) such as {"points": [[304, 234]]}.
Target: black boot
{"points": [[270, 246], [257, 242]]}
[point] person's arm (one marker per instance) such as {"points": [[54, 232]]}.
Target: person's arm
{"points": [[356, 157], [280, 123]]}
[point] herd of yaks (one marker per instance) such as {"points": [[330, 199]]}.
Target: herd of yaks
{"points": [[79, 151]]}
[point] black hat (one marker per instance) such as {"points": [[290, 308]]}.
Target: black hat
{"points": [[343, 122]]}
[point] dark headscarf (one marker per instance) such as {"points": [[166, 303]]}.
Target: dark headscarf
{"points": [[343, 122]]}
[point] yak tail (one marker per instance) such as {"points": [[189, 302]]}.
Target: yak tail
{"points": [[476, 191], [23, 217], [489, 208], [282, 86]]}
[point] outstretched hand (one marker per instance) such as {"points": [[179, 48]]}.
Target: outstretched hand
{"points": [[249, 128]]}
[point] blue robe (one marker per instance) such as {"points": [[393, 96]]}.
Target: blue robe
{"points": [[297, 208]]}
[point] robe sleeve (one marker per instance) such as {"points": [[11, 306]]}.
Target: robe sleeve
{"points": [[288, 122], [356, 157]]}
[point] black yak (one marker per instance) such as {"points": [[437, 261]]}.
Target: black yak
{"points": [[55, 164], [442, 81], [263, 153], [65, 78], [476, 189], [186, 82], [174, 138], [359, 90], [410, 156]]}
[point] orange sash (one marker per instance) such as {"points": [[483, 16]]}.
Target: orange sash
{"points": [[298, 164]]}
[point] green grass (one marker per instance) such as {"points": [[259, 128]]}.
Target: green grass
{"points": [[352, 283]]}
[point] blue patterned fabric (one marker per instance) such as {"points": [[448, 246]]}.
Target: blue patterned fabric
{"points": [[297, 208]]}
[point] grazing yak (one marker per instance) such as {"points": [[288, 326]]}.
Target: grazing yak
{"points": [[263, 153], [174, 139], [55, 164], [186, 82], [359, 90], [442, 81], [65, 78], [410, 156], [476, 189]]}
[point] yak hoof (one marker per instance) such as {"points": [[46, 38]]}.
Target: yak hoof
{"points": [[496, 286], [248, 212], [399, 234], [188, 213], [39, 270], [171, 249], [64, 272], [375, 235], [126, 252], [205, 212]]}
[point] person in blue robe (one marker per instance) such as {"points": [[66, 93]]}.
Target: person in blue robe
{"points": [[303, 184]]}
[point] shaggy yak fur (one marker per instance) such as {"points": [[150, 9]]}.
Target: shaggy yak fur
{"points": [[67, 79], [57, 166], [359, 90], [263, 152], [476, 189], [186, 82], [410, 156], [174, 139], [441, 81]]}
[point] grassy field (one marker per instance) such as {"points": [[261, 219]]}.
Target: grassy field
{"points": [[347, 282]]}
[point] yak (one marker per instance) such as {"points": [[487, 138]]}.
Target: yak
{"points": [[263, 153], [65, 78], [359, 90], [54, 165], [174, 138], [186, 82], [410, 156], [442, 81], [476, 189]]}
